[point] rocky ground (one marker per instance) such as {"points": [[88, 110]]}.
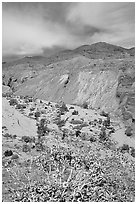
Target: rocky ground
{"points": [[68, 126], [60, 152]]}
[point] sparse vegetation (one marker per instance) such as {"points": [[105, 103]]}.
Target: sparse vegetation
{"points": [[129, 131], [85, 105], [13, 102]]}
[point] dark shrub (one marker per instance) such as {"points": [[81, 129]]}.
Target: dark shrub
{"points": [[26, 148], [85, 105], [19, 106], [106, 122], [128, 131], [37, 114], [4, 127], [42, 128], [71, 107], [76, 122], [104, 114], [78, 133], [102, 135], [60, 123], [132, 152], [92, 139], [63, 107], [8, 153], [39, 146], [14, 136], [30, 114], [13, 102], [32, 109], [8, 135], [26, 139], [75, 112], [100, 121], [124, 148]]}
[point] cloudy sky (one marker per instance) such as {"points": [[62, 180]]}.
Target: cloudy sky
{"points": [[29, 28]]}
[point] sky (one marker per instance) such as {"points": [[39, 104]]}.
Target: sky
{"points": [[32, 27]]}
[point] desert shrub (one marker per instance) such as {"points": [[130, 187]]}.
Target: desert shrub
{"points": [[42, 128], [77, 127], [39, 146], [26, 148], [60, 123], [32, 109], [75, 112], [30, 114], [124, 148], [71, 107], [4, 127], [8, 153], [102, 135], [85, 105], [128, 131], [106, 122], [104, 114], [7, 135], [26, 139], [14, 156], [78, 133], [92, 139], [112, 130], [14, 136], [63, 107], [76, 122], [100, 121], [13, 102], [19, 106], [132, 152], [37, 114], [7, 94]]}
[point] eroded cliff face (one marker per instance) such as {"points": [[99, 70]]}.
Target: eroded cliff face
{"points": [[104, 84]]}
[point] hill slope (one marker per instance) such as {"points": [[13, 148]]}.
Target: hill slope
{"points": [[105, 82]]}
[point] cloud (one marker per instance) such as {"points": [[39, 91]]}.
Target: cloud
{"points": [[117, 20], [29, 28]]}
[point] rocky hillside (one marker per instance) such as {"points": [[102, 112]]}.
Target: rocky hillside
{"points": [[64, 153], [100, 75]]}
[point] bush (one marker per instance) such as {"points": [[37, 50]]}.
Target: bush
{"points": [[85, 105], [7, 135], [128, 131], [26, 139], [37, 114], [42, 128], [13, 102], [102, 135], [132, 152], [104, 114], [78, 133], [75, 112], [60, 123], [100, 121], [92, 139], [124, 148], [63, 107], [76, 122], [8, 153], [106, 122], [26, 148]]}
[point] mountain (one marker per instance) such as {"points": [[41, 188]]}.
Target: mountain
{"points": [[68, 126], [100, 74]]}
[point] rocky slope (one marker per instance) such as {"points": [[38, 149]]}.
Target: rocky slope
{"points": [[60, 152], [101, 75]]}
